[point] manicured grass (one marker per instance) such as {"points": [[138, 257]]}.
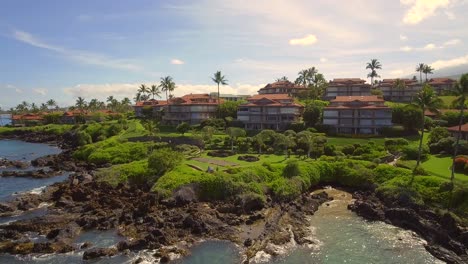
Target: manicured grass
{"points": [[440, 166], [341, 141]]}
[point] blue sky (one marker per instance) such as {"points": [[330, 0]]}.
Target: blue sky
{"points": [[64, 49]]}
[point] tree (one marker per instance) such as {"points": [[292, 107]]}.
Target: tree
{"points": [[284, 78], [282, 141], [265, 136], [420, 69], [306, 138], [164, 160], [142, 90], [461, 92], [425, 99], [80, 104], [228, 109], [313, 112], [154, 91], [428, 70], [151, 126], [167, 85], [373, 65], [51, 103], [218, 78], [207, 132], [183, 128], [306, 76], [234, 133]]}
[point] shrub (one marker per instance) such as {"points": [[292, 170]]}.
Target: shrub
{"points": [[437, 134], [348, 149], [329, 150], [183, 128], [83, 138], [443, 145], [410, 152], [163, 160]]}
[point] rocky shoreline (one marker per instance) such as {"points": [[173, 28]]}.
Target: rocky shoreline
{"points": [[446, 240], [171, 226]]}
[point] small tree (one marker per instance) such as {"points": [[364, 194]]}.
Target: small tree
{"points": [[163, 160], [234, 133], [183, 128]]}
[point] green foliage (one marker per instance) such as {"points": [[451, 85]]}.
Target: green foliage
{"points": [[437, 134], [112, 151], [183, 128], [313, 112], [163, 160], [410, 152], [134, 172], [384, 173], [228, 109], [83, 138]]}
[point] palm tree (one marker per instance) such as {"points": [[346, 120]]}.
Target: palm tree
{"points": [[154, 91], [34, 108], [93, 104], [373, 65], [44, 107], [142, 90], [420, 68], [427, 70], [282, 79], [218, 78], [462, 93], [306, 76], [167, 85], [426, 99], [80, 103], [51, 103]]}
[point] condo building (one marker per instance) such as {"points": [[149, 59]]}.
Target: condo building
{"points": [[403, 94], [357, 114], [269, 111], [347, 87], [442, 86], [283, 87]]}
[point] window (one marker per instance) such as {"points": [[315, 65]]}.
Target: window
{"points": [[330, 121], [330, 113]]}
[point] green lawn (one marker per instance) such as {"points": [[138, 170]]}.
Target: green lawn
{"points": [[440, 167]]}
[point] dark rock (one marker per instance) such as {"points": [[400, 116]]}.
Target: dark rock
{"points": [[185, 195], [248, 158], [6, 207], [248, 242], [86, 245], [367, 210], [99, 252]]}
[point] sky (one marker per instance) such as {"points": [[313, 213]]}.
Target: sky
{"points": [[65, 49]]}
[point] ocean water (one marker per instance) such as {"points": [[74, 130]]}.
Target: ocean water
{"points": [[5, 119], [20, 150]]}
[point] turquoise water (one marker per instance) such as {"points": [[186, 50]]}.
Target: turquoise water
{"points": [[19, 150]]}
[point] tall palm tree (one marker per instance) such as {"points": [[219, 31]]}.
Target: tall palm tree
{"points": [[306, 76], [44, 107], [143, 89], [373, 65], [154, 91], [80, 103], [462, 93], [428, 70], [51, 103], [167, 85], [218, 78], [420, 69], [426, 99]]}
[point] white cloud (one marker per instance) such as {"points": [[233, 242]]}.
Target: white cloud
{"points": [[397, 72], [403, 38], [323, 59], [429, 46], [452, 42], [305, 41], [177, 62], [406, 48], [422, 9], [77, 55], [40, 91], [18, 90], [439, 64]]}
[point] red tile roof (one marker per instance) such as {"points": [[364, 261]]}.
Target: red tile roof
{"points": [[391, 82], [270, 97], [367, 98], [283, 84], [27, 117], [464, 128], [151, 102]]}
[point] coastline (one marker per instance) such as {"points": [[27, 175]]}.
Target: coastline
{"points": [[149, 222]]}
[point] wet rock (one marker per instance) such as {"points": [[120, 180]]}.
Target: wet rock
{"points": [[6, 207], [99, 252], [250, 202], [367, 210], [248, 242], [185, 195], [4, 163], [86, 245]]}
